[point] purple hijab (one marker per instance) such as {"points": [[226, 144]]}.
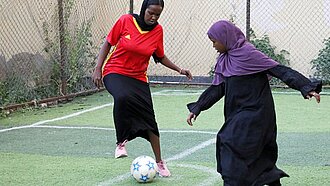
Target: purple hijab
{"points": [[241, 58]]}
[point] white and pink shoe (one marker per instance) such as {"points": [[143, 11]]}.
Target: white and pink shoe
{"points": [[162, 169], [121, 150]]}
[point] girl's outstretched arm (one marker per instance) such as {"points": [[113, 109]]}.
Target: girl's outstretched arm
{"points": [[297, 81], [166, 62]]}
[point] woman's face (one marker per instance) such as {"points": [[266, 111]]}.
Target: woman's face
{"points": [[152, 14], [218, 46]]}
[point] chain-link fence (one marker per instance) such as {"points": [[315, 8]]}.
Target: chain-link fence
{"points": [[39, 57], [296, 30]]}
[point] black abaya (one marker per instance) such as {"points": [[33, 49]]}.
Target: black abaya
{"points": [[246, 148]]}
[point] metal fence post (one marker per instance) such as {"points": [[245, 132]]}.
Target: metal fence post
{"points": [[63, 47], [248, 20], [131, 6]]}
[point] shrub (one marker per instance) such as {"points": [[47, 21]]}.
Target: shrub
{"points": [[321, 64], [263, 44], [79, 51]]}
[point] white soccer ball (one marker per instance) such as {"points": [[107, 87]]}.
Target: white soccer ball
{"points": [[144, 169]]}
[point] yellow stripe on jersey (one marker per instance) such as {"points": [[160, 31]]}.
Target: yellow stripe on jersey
{"points": [[106, 60], [138, 27]]}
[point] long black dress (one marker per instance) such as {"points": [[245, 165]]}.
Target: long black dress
{"points": [[246, 148], [133, 110]]}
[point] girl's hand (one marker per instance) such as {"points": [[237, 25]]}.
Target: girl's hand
{"points": [[186, 73], [191, 116], [314, 94], [97, 78]]}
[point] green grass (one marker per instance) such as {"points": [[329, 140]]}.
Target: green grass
{"points": [[32, 115], [38, 169], [46, 155]]}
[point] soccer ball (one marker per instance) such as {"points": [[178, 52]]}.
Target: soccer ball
{"points": [[144, 169]]}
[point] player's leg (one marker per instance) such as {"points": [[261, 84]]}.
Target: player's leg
{"points": [[121, 124], [155, 144], [114, 84]]}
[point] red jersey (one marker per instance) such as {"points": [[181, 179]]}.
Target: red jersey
{"points": [[133, 48]]}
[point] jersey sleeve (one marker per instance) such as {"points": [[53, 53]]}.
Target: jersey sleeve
{"points": [[115, 32], [160, 46]]}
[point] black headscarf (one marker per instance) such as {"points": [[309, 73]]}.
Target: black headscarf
{"points": [[140, 18], [143, 25]]}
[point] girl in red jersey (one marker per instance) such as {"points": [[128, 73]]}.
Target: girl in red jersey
{"points": [[136, 38]]}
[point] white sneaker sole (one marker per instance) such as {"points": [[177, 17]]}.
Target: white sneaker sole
{"points": [[121, 156]]}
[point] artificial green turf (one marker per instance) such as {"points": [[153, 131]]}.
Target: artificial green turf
{"points": [[48, 156], [30, 116], [294, 113], [34, 169], [84, 156], [307, 175], [26, 169]]}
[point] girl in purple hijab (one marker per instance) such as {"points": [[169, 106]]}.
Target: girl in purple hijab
{"points": [[246, 148], [239, 56]]}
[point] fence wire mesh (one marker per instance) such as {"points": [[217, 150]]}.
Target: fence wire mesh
{"points": [[297, 27], [30, 51], [31, 56]]}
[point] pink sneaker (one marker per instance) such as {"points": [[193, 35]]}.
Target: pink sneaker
{"points": [[163, 170], [121, 150]]}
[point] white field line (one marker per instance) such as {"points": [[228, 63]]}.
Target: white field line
{"points": [[177, 92], [70, 127], [191, 150], [296, 93], [112, 129], [188, 131], [165, 92], [200, 91], [183, 154], [72, 115], [57, 119], [162, 92]]}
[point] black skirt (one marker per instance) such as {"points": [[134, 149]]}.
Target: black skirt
{"points": [[133, 111]]}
